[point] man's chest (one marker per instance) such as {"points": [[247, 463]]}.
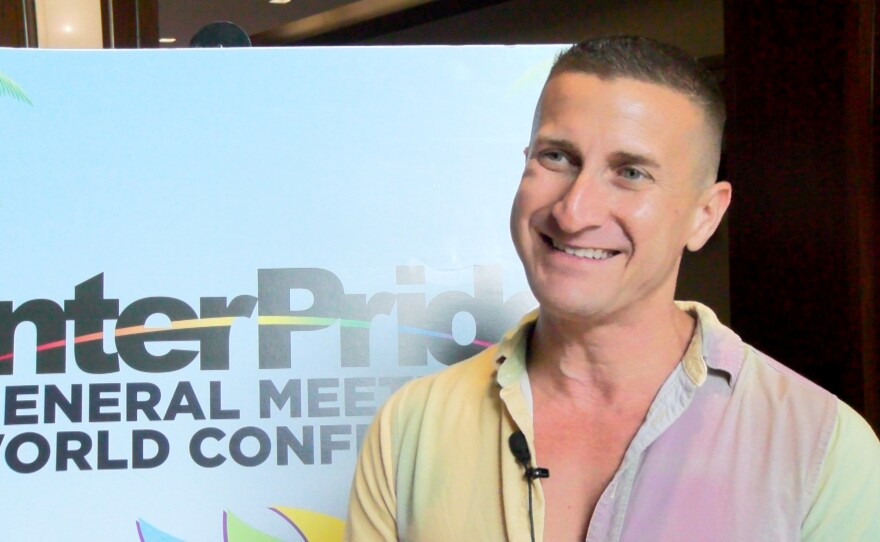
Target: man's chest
{"points": [[583, 453]]}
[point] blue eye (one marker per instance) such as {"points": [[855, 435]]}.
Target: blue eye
{"points": [[554, 156], [631, 174], [555, 160]]}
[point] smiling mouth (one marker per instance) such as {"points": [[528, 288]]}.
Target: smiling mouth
{"points": [[588, 253]]}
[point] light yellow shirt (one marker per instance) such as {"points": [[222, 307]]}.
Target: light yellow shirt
{"points": [[735, 448]]}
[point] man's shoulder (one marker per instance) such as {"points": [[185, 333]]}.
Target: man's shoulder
{"points": [[464, 378], [471, 383], [749, 370], [775, 403], [764, 373], [464, 383]]}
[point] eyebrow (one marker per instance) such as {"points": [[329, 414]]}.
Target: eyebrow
{"points": [[615, 159], [562, 144], [623, 158]]}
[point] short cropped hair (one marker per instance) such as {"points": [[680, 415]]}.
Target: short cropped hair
{"points": [[649, 61]]}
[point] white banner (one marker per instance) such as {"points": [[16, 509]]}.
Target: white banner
{"points": [[219, 263]]}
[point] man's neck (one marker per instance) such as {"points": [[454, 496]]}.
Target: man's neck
{"points": [[620, 363]]}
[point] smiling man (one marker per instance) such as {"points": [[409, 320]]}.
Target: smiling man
{"points": [[656, 422]]}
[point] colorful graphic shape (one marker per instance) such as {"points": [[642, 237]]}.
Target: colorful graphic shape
{"points": [[148, 533], [312, 526], [235, 530], [8, 87]]}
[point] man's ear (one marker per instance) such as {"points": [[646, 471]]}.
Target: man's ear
{"points": [[711, 206]]}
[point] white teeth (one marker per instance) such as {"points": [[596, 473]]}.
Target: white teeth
{"points": [[591, 253]]}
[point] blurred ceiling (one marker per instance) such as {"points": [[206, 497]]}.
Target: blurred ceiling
{"points": [[181, 19], [305, 21]]}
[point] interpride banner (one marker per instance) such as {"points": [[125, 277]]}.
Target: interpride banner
{"points": [[217, 264]]}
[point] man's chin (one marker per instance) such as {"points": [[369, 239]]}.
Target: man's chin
{"points": [[573, 305]]}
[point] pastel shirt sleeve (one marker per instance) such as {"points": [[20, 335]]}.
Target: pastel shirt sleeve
{"points": [[373, 503], [847, 501]]}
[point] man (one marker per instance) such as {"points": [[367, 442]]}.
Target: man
{"points": [[655, 421]]}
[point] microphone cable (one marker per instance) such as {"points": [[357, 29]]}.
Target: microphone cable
{"points": [[520, 450]]}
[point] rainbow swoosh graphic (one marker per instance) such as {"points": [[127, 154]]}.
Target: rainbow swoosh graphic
{"points": [[309, 526], [228, 321]]}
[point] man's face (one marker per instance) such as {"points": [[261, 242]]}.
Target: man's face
{"points": [[612, 192]]}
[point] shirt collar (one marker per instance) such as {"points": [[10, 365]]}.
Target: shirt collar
{"points": [[511, 356], [714, 349]]}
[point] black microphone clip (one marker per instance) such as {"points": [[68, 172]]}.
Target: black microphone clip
{"points": [[520, 450], [537, 472]]}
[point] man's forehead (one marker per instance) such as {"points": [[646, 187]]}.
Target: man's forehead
{"points": [[568, 99], [610, 85], [597, 87]]}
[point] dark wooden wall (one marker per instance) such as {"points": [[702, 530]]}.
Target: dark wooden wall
{"points": [[800, 155], [18, 26], [135, 24]]}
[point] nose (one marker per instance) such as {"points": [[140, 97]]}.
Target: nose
{"points": [[583, 205]]}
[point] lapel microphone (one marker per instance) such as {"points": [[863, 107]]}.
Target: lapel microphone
{"points": [[520, 450]]}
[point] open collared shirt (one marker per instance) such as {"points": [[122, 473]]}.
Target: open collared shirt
{"points": [[735, 447]]}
